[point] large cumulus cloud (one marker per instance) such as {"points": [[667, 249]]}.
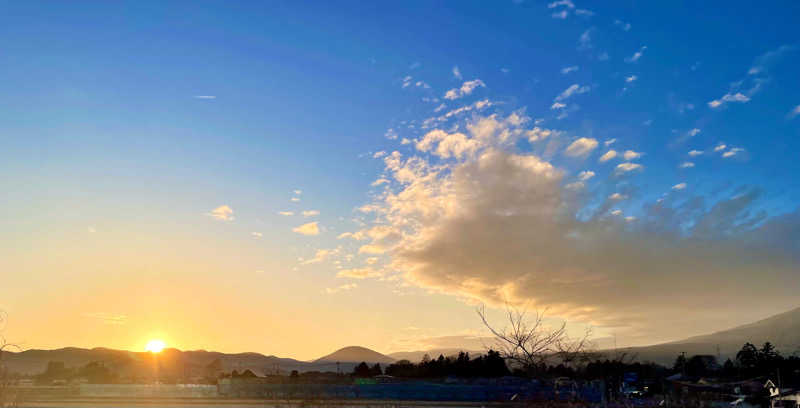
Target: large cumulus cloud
{"points": [[481, 219]]}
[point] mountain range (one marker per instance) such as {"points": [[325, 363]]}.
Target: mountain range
{"points": [[783, 330]]}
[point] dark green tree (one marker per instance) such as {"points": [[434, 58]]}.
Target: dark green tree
{"points": [[362, 370], [680, 364], [747, 357]]}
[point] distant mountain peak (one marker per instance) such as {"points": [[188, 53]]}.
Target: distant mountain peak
{"points": [[355, 354]]}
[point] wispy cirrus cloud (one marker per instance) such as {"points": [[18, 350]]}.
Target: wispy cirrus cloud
{"points": [[359, 273], [340, 288], [623, 25], [567, 70], [574, 89], [465, 89], [793, 113], [743, 90], [636, 55]]}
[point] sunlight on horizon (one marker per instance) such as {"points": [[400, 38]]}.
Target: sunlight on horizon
{"points": [[155, 346]]}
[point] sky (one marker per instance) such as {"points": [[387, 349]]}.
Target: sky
{"points": [[291, 178]]}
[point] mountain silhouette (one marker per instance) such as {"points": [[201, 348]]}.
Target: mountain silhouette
{"points": [[782, 330], [355, 354]]}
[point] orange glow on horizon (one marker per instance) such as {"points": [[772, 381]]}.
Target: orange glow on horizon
{"points": [[155, 346]]}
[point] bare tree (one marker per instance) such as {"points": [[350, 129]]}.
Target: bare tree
{"points": [[6, 397], [529, 344]]}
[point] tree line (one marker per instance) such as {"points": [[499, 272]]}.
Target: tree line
{"points": [[492, 364]]}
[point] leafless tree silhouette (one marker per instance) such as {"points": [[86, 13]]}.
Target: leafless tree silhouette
{"points": [[7, 398], [527, 343]]}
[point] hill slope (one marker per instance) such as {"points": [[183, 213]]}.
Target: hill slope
{"points": [[141, 363], [782, 330]]}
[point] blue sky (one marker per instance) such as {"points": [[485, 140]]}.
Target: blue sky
{"points": [[138, 119]]}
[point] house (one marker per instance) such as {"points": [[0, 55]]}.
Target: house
{"points": [[782, 398]]}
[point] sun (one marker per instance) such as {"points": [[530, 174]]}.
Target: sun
{"points": [[155, 346]]}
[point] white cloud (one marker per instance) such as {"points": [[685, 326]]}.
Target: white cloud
{"points": [[694, 153], [358, 235], [720, 147], [295, 199], [360, 273], [557, 105], [310, 213], [616, 212], [379, 181], [607, 156], [637, 55], [311, 228], [565, 3], [205, 97], [631, 78], [379, 154], [623, 25], [694, 132], [298, 192], [794, 112], [679, 186], [561, 15], [573, 89], [440, 108], [457, 73], [609, 142], [407, 81], [584, 12], [581, 147], [628, 167], [447, 145], [585, 175], [585, 40], [686, 165], [320, 256], [728, 97], [346, 286], [617, 197], [537, 134], [732, 152], [631, 155], [286, 213], [501, 225], [390, 134], [222, 213], [567, 70], [466, 89]]}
